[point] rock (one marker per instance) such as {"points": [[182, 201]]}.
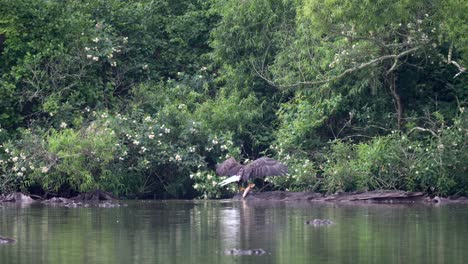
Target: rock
{"points": [[95, 198], [437, 200], [57, 200], [16, 197], [319, 222], [111, 204], [6, 240], [244, 252]]}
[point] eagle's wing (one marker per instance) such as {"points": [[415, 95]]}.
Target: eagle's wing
{"points": [[229, 167], [263, 167]]}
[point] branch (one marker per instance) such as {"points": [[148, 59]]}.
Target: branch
{"points": [[396, 57], [450, 61], [422, 129]]}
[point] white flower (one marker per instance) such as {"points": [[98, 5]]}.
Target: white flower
{"points": [[20, 174], [15, 159], [145, 66], [178, 157], [114, 64], [89, 56], [95, 58], [214, 141], [151, 136], [63, 125], [23, 169], [195, 186], [167, 130], [86, 48], [44, 169], [136, 142], [96, 39], [181, 106], [15, 168]]}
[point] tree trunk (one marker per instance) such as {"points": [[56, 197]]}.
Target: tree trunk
{"points": [[396, 100]]}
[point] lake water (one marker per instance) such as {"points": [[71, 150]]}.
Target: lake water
{"points": [[200, 232]]}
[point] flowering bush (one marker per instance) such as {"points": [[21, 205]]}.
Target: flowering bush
{"points": [[206, 184], [302, 174], [434, 161]]}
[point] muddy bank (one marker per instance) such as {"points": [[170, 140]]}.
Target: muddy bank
{"points": [[353, 197], [95, 198]]}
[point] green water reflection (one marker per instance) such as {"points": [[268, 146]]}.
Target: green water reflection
{"points": [[199, 232]]}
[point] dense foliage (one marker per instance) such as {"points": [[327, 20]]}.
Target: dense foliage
{"points": [[143, 98]]}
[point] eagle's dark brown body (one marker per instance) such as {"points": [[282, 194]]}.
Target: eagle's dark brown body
{"points": [[258, 168]]}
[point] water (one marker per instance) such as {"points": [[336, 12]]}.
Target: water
{"points": [[200, 232]]}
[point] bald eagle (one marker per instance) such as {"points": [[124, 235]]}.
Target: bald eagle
{"points": [[258, 168]]}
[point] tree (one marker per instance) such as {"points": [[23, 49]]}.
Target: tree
{"points": [[354, 45]]}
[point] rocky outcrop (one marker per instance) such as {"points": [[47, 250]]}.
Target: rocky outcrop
{"points": [[16, 197]]}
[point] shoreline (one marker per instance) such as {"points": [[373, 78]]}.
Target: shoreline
{"points": [[104, 199], [381, 196]]}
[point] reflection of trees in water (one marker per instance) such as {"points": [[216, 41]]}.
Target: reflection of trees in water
{"points": [[198, 232]]}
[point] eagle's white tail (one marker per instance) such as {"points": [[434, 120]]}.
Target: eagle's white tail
{"points": [[234, 178]]}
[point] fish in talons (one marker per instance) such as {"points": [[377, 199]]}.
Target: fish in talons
{"points": [[241, 174]]}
